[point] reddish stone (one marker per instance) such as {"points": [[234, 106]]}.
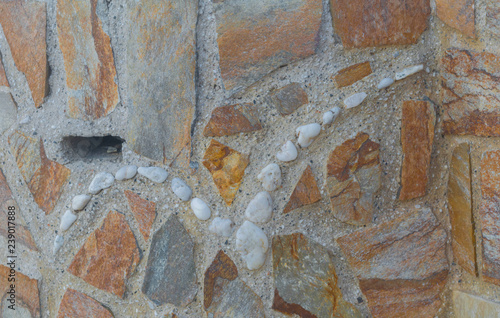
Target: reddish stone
{"points": [[417, 137], [222, 267], [232, 119], [364, 23], [109, 256], [459, 14], [352, 74], [144, 212], [3, 76], [306, 192], [288, 98], [27, 295], [75, 304]]}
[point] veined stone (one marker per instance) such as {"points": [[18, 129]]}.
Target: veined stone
{"points": [[256, 37], [27, 295], [409, 71], [155, 174], [459, 14], [101, 181], [493, 18], [288, 98], [223, 227], [170, 272], [232, 119], [67, 220], [350, 75], [227, 167], [144, 212], [306, 192], [221, 267], [270, 177], [467, 305], [353, 178], [260, 208], [109, 256], [125, 173], [161, 63], [252, 243], [88, 60], [76, 304], [288, 152], [80, 202]]}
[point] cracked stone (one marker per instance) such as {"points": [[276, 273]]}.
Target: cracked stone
{"points": [[288, 98], [459, 14], [76, 304], [26, 293], [232, 119], [306, 192], [144, 212], [350, 75]]}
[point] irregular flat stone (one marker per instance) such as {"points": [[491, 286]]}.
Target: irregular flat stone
{"points": [[170, 272], [222, 267], [417, 137], [161, 61], [350, 75], [288, 98], [88, 60], [8, 107], [232, 119], [26, 292], [471, 93], [467, 305], [463, 239], [489, 213], [493, 18], [109, 256], [309, 267], [144, 212], [227, 167], [256, 37], [24, 26], [459, 14], [76, 304], [306, 192], [3, 77], [353, 179], [401, 264], [45, 178], [365, 23]]}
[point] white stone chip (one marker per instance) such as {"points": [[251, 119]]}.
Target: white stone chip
{"points": [[354, 100], [252, 244], [67, 220], [200, 209], [222, 227], [58, 243], [155, 174], [330, 116], [386, 82], [270, 177], [260, 208], [307, 133], [409, 71], [101, 181], [80, 202], [125, 173], [181, 189], [288, 152]]}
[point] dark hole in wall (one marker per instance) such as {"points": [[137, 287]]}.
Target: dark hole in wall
{"points": [[95, 147]]}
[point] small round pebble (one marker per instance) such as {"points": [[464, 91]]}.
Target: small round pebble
{"points": [[260, 208], [222, 227], [355, 100], [200, 209], [270, 177], [101, 181], [125, 173], [80, 202], [58, 243], [409, 71], [181, 189], [252, 244], [386, 82], [67, 220], [330, 116], [155, 174], [307, 133], [288, 152]]}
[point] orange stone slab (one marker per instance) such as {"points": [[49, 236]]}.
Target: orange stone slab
{"points": [[471, 93], [26, 294], [3, 76], [417, 137], [75, 304], [459, 14], [109, 256], [227, 167], [222, 267], [352, 74], [365, 23], [144, 212], [232, 119], [306, 192], [288, 98], [24, 25]]}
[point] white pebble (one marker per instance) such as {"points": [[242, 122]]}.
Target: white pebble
{"points": [[80, 202], [223, 227], [270, 177], [155, 174], [125, 173], [260, 209], [409, 71], [331, 115], [67, 220], [386, 82], [200, 209], [307, 133], [355, 100], [252, 244], [58, 243], [101, 181], [288, 152], [181, 189]]}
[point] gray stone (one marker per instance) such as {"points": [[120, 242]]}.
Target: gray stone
{"points": [[8, 109]]}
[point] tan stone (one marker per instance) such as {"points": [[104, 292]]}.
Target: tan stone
{"points": [[467, 306], [364, 23], [109, 256], [493, 18], [227, 167], [306, 192], [417, 137], [24, 26], [144, 212], [26, 293], [288, 98], [459, 14], [232, 119], [3, 76], [75, 304], [350, 75], [222, 267]]}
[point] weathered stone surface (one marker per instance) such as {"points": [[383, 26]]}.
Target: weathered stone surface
{"points": [[170, 272], [24, 26], [489, 212], [350, 75], [401, 264], [8, 108], [144, 212], [76, 304], [471, 93], [459, 14], [467, 305], [109, 256], [26, 295], [232, 119], [288, 98], [417, 137], [493, 18], [227, 167], [256, 37], [309, 267], [364, 23], [222, 267], [306, 192], [463, 239], [45, 178], [3, 77], [353, 179], [161, 57]]}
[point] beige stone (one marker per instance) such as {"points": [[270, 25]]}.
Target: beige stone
{"points": [[466, 306], [459, 14]]}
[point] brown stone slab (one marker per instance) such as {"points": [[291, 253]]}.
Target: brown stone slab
{"points": [[417, 137], [3, 76], [306, 191], [109, 256], [232, 119], [144, 212], [350, 75], [75, 304], [365, 23], [27, 301], [24, 25], [222, 267], [288, 98], [88, 60], [459, 14]]}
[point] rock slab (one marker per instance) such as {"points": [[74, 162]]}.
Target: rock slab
{"points": [[144, 212], [306, 192], [459, 14], [76, 304], [467, 305], [288, 98], [350, 75], [27, 294], [232, 119]]}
